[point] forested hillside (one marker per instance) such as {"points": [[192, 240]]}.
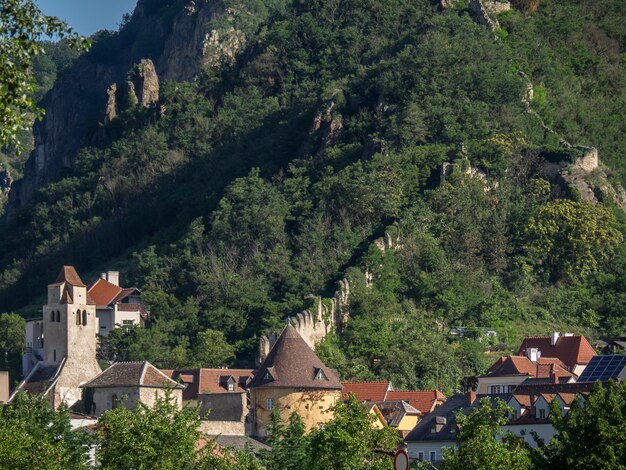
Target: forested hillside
{"points": [[266, 178]]}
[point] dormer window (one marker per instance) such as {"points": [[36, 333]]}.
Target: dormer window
{"points": [[267, 377], [231, 387], [320, 375]]}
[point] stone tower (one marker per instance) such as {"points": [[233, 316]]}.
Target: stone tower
{"points": [[69, 319], [69, 342]]}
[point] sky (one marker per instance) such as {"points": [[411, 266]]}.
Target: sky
{"points": [[88, 16]]}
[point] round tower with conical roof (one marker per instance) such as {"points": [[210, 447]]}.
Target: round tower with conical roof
{"points": [[293, 379]]}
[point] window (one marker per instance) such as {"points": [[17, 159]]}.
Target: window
{"points": [[78, 317], [542, 413], [54, 355], [52, 315], [320, 375], [114, 401], [433, 455], [267, 376], [58, 316], [270, 403], [84, 317], [495, 389], [420, 456], [231, 387]]}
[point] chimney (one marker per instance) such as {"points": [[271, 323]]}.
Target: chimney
{"points": [[555, 377], [103, 276], [113, 277], [533, 354], [4, 386], [554, 337], [471, 397]]}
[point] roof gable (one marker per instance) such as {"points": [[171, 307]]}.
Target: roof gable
{"points": [[571, 350], [293, 364], [423, 400]]}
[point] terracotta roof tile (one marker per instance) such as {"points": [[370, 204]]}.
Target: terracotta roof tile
{"points": [[423, 400], [367, 391], [291, 363], [105, 293], [571, 350]]}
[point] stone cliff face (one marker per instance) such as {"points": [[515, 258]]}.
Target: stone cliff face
{"points": [[84, 99]]}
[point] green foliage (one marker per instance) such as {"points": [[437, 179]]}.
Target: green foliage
{"points": [[592, 433], [349, 441], [22, 26], [12, 332], [570, 240], [290, 446], [162, 437], [481, 443], [32, 435]]}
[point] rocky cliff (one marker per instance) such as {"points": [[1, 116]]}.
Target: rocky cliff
{"points": [[84, 99]]}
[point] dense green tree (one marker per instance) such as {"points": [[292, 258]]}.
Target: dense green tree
{"points": [[160, 437], [12, 331], [481, 444], [290, 445], [570, 240], [33, 435], [349, 441], [592, 434]]}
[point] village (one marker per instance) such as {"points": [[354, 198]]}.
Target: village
{"points": [[236, 405]]}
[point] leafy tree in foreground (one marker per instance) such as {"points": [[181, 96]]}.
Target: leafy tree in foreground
{"points": [[349, 442], [593, 434], [160, 437], [34, 436], [289, 444], [22, 26], [482, 445]]}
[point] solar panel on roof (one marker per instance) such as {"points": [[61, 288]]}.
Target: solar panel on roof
{"points": [[603, 368]]}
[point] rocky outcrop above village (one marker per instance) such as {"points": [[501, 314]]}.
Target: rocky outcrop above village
{"points": [[143, 84], [87, 96]]}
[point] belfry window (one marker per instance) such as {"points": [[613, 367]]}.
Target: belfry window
{"points": [[84, 317], [52, 315], [58, 316]]}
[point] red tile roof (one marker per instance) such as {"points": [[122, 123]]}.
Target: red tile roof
{"points": [[571, 350], [424, 400], [545, 367], [105, 293], [367, 391]]}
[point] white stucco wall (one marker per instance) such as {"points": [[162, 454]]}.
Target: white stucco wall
{"points": [[413, 449]]}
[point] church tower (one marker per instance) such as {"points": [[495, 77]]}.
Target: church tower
{"points": [[69, 320]]}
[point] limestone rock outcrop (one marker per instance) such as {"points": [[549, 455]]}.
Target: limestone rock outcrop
{"points": [[83, 97], [110, 112], [143, 84]]}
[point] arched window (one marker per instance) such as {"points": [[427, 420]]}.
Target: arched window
{"points": [[78, 317], [84, 317], [114, 402], [58, 316], [52, 315]]}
